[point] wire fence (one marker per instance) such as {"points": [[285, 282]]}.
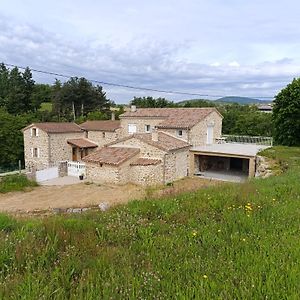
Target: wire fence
{"points": [[244, 139]]}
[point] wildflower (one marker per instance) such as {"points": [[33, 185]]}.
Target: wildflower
{"points": [[244, 240], [219, 230], [194, 233], [205, 276], [274, 199]]}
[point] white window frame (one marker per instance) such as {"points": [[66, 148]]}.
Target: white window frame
{"points": [[36, 131], [35, 154], [132, 128], [146, 126]]}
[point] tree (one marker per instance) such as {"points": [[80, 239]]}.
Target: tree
{"points": [[11, 138], [286, 115], [77, 97], [145, 102], [41, 93], [15, 90]]}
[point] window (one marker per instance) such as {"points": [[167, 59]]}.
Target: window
{"points": [[147, 128], [34, 132], [179, 133], [131, 128], [103, 135], [35, 152]]}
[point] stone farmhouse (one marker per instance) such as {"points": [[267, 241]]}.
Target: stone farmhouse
{"points": [[147, 146]]}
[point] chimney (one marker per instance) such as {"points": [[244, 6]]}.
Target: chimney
{"points": [[113, 116], [133, 108], [155, 135]]}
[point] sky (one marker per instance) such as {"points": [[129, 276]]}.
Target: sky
{"points": [[216, 47]]}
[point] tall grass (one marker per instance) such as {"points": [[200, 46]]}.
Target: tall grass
{"points": [[15, 183], [227, 242]]}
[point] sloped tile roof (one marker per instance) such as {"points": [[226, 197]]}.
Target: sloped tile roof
{"points": [[82, 143], [56, 127], [172, 117], [108, 125], [111, 155], [165, 141], [145, 162]]}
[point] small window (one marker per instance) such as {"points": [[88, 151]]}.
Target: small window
{"points": [[147, 128], [179, 133], [34, 132], [103, 134], [35, 152]]}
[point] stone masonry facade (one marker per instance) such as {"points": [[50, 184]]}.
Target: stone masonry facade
{"points": [[172, 164]]}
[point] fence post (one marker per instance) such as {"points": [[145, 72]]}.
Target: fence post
{"points": [[20, 167]]}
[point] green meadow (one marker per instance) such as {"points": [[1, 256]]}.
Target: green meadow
{"points": [[234, 241]]}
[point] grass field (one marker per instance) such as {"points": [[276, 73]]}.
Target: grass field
{"points": [[15, 183], [237, 241]]}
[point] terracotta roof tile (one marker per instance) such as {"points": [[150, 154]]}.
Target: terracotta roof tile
{"points": [[100, 125], [172, 117], [56, 127], [145, 162], [82, 143], [111, 155], [165, 141]]}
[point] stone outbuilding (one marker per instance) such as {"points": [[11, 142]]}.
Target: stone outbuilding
{"points": [[159, 158]]}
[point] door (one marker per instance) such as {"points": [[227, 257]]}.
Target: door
{"points": [[74, 154], [210, 134]]}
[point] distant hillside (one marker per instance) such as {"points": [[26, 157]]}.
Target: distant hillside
{"points": [[242, 100]]}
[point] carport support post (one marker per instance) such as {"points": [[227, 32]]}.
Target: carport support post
{"points": [[252, 167], [192, 164]]}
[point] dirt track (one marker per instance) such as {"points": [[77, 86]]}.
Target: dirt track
{"points": [[82, 195]]}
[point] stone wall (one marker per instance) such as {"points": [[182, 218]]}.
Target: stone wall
{"points": [[40, 142], [102, 138], [140, 124], [198, 134], [146, 150], [60, 149], [102, 174], [147, 175], [263, 167], [176, 165], [174, 132]]}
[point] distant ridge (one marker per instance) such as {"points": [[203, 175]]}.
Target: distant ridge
{"points": [[242, 100]]}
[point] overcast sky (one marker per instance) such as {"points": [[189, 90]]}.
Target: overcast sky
{"points": [[216, 47]]}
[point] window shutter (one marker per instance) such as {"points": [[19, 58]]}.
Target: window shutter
{"points": [[37, 132], [31, 132], [38, 152], [31, 150]]}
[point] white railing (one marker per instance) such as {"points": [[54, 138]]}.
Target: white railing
{"points": [[76, 168], [244, 139]]}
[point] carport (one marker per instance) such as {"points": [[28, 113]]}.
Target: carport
{"points": [[230, 162]]}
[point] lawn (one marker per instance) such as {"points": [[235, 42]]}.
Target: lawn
{"points": [[15, 183], [235, 241]]}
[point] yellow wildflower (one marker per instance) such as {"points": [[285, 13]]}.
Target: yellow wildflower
{"points": [[205, 276]]}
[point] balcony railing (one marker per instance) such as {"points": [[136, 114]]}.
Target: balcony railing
{"points": [[244, 139]]}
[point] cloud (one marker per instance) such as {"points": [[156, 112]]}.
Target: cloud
{"points": [[141, 62]]}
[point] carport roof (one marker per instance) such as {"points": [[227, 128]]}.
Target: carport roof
{"points": [[248, 150]]}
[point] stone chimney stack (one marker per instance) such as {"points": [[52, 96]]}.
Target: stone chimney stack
{"points": [[154, 135], [133, 108], [113, 116]]}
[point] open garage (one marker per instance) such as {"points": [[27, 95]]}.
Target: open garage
{"points": [[230, 162]]}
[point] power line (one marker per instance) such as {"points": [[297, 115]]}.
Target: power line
{"points": [[130, 86]]}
